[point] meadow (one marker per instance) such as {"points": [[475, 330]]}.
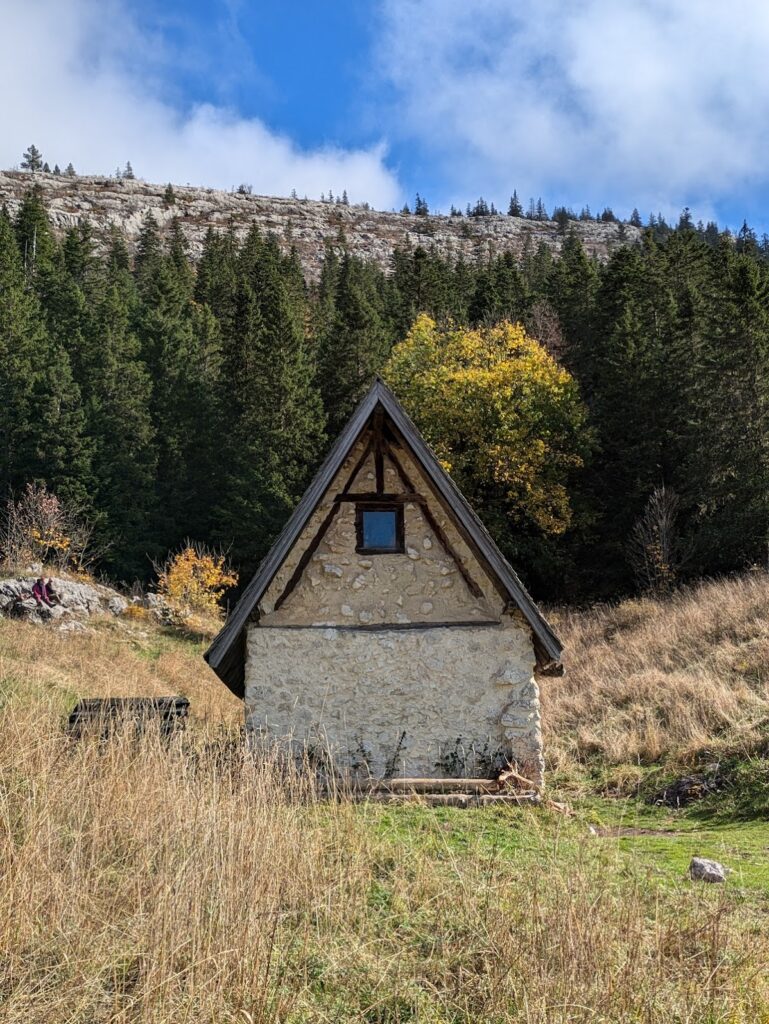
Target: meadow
{"points": [[145, 882]]}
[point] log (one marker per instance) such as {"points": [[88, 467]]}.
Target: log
{"points": [[436, 786]]}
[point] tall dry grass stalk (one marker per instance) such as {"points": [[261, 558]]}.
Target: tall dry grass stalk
{"points": [[187, 884], [114, 657], [663, 678]]}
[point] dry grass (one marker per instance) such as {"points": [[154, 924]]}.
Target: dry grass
{"points": [[185, 885], [651, 680], [127, 657]]}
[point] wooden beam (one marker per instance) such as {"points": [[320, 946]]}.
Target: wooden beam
{"points": [[388, 626], [367, 498], [378, 456], [358, 465], [472, 586], [312, 547]]}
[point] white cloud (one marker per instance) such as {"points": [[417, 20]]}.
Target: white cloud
{"points": [[650, 102], [84, 83]]}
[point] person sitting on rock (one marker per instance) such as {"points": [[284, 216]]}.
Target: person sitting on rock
{"points": [[42, 593]]}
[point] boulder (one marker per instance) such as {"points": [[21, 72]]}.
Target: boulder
{"points": [[703, 870], [80, 600], [117, 604]]}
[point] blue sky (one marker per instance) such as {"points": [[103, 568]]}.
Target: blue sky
{"points": [[651, 103]]}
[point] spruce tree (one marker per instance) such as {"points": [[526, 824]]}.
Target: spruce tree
{"points": [[354, 346], [271, 404], [41, 419], [515, 209], [120, 425], [33, 159]]}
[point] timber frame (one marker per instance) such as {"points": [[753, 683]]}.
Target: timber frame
{"points": [[391, 428]]}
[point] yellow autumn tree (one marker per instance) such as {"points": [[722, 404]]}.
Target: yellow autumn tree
{"points": [[194, 580], [501, 414]]}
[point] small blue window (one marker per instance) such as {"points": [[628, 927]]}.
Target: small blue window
{"points": [[380, 529]]}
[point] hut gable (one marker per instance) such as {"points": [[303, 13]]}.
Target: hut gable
{"points": [[385, 626], [439, 580]]}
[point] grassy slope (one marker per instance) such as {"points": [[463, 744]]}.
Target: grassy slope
{"points": [[181, 886]]}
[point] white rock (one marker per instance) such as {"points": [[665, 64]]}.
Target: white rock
{"points": [[72, 626], [307, 225], [703, 870], [412, 553], [332, 570], [117, 604]]}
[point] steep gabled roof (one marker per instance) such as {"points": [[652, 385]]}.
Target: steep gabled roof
{"points": [[226, 655]]}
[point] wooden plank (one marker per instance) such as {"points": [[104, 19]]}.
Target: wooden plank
{"points": [[472, 586], [378, 456], [433, 799], [312, 547], [387, 626], [358, 466], [448, 785], [369, 498], [492, 799]]}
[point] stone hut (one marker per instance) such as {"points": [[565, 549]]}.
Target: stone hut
{"points": [[385, 627]]}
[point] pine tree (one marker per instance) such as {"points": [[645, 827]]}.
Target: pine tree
{"points": [[515, 209], [730, 478], [571, 289], [273, 408], [70, 171], [56, 169], [635, 218], [353, 346], [500, 292], [128, 171], [33, 159], [164, 324], [41, 419], [36, 242], [119, 422]]}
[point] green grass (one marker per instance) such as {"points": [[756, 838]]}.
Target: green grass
{"points": [[528, 837]]}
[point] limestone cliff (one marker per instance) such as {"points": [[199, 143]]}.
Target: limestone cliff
{"points": [[308, 225]]}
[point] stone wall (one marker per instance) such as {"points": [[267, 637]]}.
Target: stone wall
{"points": [[426, 702], [342, 588], [358, 660], [306, 225]]}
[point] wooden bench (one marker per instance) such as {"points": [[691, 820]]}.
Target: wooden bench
{"points": [[107, 714]]}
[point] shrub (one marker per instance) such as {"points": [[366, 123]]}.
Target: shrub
{"points": [[39, 527], [194, 579]]}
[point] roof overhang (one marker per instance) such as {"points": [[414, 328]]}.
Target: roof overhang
{"points": [[227, 653]]}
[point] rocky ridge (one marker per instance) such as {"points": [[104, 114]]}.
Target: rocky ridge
{"points": [[307, 225], [74, 601]]}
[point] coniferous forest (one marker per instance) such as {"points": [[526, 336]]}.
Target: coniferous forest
{"points": [[171, 399]]}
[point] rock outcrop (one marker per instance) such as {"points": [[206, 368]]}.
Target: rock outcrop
{"points": [[74, 601], [307, 225]]}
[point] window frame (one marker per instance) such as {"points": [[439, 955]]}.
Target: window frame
{"points": [[400, 532]]}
